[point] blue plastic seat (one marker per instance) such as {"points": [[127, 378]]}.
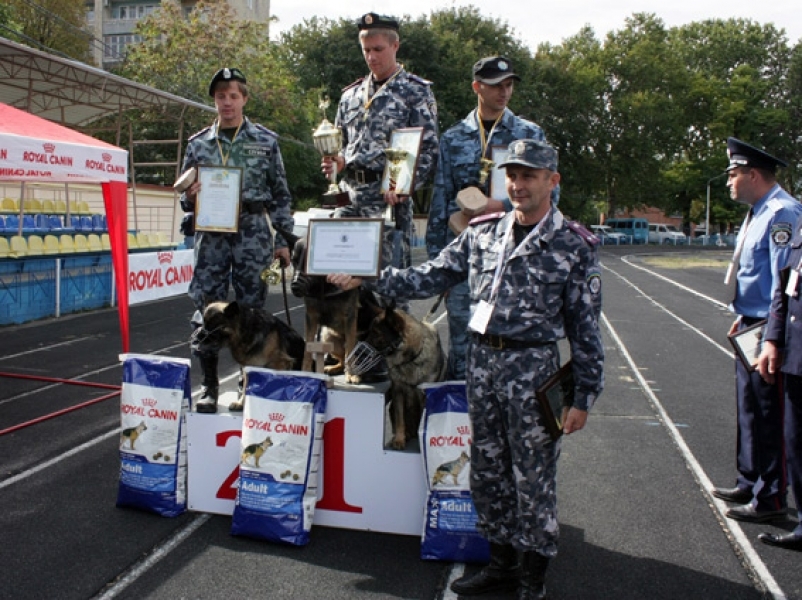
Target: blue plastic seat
{"points": [[97, 224], [75, 224], [85, 224], [2, 224], [55, 223], [28, 224], [42, 223], [12, 224]]}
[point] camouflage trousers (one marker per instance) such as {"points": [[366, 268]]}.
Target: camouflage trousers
{"points": [[367, 202], [232, 258], [513, 459], [458, 304]]}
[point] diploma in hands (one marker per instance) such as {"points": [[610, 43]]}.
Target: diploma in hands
{"points": [[218, 203], [351, 246]]}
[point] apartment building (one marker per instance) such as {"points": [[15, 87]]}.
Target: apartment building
{"points": [[113, 21]]}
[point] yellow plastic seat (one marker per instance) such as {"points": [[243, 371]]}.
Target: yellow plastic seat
{"points": [[61, 207], [32, 205], [154, 241], [19, 247], [93, 241], [10, 205], [164, 239], [5, 249], [142, 240], [105, 241], [80, 242], [48, 207], [132, 241], [66, 244], [51, 245], [83, 208], [36, 245]]}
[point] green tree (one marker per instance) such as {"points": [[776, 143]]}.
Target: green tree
{"points": [[57, 25]]}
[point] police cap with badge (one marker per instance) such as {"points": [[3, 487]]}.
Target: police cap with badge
{"points": [[493, 69], [226, 74], [534, 154], [742, 154], [374, 21]]}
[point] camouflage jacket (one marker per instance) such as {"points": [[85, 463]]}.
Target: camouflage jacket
{"points": [[256, 150], [458, 168], [550, 288], [405, 101]]}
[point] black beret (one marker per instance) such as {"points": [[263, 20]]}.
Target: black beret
{"points": [[374, 21], [226, 75], [742, 154], [493, 69]]}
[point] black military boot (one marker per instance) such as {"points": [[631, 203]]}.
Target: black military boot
{"points": [[533, 576], [210, 386], [500, 575], [239, 404]]}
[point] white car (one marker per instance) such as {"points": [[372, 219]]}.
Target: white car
{"points": [[660, 233], [609, 236]]}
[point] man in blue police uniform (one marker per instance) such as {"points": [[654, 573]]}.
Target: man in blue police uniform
{"points": [[534, 279], [761, 250], [782, 351], [238, 257], [370, 109], [462, 147]]}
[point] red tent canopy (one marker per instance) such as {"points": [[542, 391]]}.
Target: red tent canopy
{"points": [[34, 149]]}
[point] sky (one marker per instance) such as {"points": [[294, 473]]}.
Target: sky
{"points": [[534, 22]]}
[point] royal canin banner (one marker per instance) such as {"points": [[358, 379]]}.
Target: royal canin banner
{"points": [[34, 149], [154, 275]]}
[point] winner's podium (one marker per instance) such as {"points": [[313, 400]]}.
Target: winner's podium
{"points": [[362, 485]]}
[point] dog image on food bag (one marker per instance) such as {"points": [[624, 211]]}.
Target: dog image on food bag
{"points": [[255, 451], [131, 434], [414, 355], [255, 337]]}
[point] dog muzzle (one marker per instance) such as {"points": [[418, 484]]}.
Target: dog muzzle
{"points": [[202, 339], [362, 359]]}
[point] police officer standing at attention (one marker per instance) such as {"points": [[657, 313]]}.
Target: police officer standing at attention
{"points": [[782, 354], [535, 279], [233, 140], [370, 109], [461, 149], [761, 250]]}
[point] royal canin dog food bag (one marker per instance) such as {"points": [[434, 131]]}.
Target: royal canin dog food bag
{"points": [[449, 524], [155, 399], [282, 433]]}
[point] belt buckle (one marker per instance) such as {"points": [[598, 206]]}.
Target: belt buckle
{"points": [[496, 342], [359, 176]]}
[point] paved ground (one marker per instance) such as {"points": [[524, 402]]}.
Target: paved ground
{"points": [[636, 517]]}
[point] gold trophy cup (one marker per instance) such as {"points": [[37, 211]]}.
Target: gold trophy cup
{"points": [[396, 157], [328, 140], [486, 166]]}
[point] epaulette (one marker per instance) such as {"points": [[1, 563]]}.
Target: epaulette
{"points": [[583, 232], [418, 79], [487, 217], [774, 204], [264, 129], [354, 84], [201, 132]]}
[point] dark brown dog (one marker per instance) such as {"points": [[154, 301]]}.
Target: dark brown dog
{"points": [[414, 355], [329, 307], [255, 337]]}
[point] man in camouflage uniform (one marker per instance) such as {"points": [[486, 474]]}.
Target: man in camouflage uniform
{"points": [[461, 149], [534, 278], [233, 140], [370, 109]]}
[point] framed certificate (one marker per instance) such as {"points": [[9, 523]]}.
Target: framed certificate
{"points": [[555, 396], [402, 161], [748, 343], [498, 176], [218, 202], [351, 246]]}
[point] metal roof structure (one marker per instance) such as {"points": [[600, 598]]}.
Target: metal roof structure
{"points": [[72, 93]]}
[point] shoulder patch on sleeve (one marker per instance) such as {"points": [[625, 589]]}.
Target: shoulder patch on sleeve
{"points": [[594, 282], [488, 217], [579, 229], [781, 234], [354, 84]]}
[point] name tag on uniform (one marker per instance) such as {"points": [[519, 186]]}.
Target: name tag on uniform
{"points": [[793, 281], [481, 317]]}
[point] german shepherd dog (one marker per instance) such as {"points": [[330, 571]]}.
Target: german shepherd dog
{"points": [[414, 355], [330, 312], [255, 337]]}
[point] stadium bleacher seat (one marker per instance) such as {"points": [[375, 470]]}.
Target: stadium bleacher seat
{"points": [[93, 241], [51, 245], [85, 224], [2, 224], [41, 223], [75, 223], [48, 206], [80, 242], [10, 205], [32, 205], [61, 207], [142, 240], [19, 247], [66, 244], [28, 224], [36, 245], [132, 241], [164, 239], [55, 223], [12, 224], [105, 241], [98, 223], [5, 249]]}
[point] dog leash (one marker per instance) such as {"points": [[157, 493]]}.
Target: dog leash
{"points": [[284, 289], [434, 307]]}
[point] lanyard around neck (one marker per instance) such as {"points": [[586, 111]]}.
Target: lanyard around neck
{"points": [[368, 100], [484, 139], [224, 157]]}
